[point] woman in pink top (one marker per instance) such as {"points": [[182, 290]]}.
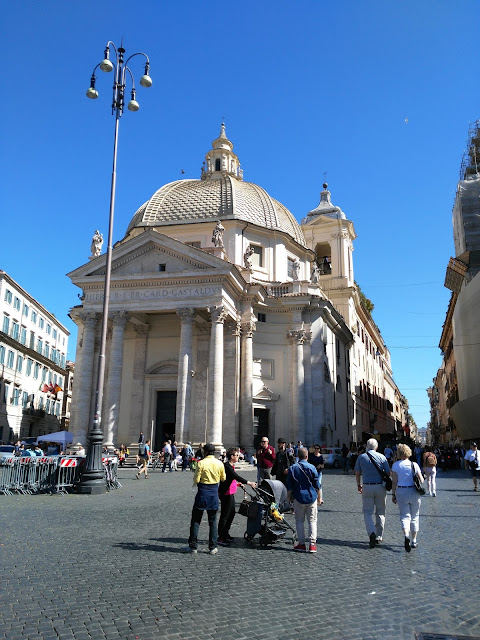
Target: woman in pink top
{"points": [[226, 492]]}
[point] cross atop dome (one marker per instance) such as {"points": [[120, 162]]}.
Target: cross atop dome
{"points": [[221, 160]]}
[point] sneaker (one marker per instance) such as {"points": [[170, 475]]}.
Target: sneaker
{"points": [[378, 540], [408, 546], [373, 540], [312, 548], [414, 545], [213, 552], [188, 549], [229, 539], [223, 543], [434, 494], [299, 547]]}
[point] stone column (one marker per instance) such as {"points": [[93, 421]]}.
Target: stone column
{"points": [[246, 377], [114, 380], [297, 338], [215, 377], [83, 382], [138, 384], [307, 368], [184, 384]]}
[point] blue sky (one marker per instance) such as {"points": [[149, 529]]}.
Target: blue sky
{"points": [[377, 94]]}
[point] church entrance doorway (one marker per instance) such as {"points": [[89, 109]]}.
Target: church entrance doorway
{"points": [[165, 418], [260, 426]]}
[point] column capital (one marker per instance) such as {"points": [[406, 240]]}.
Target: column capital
{"points": [[119, 318], [248, 327], [186, 314], [237, 327], [296, 337], [218, 313], [141, 329], [88, 318]]}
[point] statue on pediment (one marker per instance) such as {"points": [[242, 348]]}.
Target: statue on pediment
{"points": [[96, 246]]}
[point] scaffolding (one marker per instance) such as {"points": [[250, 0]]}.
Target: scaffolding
{"points": [[470, 164]]}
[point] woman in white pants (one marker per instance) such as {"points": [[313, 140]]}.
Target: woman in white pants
{"points": [[405, 495]]}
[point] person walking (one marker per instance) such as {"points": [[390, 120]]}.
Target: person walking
{"points": [[303, 487], [265, 460], [472, 462], [283, 461], [316, 459], [373, 492], [167, 456], [208, 475], [405, 494], [226, 491], [430, 471], [174, 457], [187, 455], [143, 455], [345, 451]]}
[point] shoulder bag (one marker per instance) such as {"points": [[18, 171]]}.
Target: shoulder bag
{"points": [[418, 487], [385, 477]]}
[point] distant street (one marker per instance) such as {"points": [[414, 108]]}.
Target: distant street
{"points": [[110, 567]]}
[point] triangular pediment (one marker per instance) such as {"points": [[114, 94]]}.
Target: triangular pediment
{"points": [[151, 253], [266, 394]]}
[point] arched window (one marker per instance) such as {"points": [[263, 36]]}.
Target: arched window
{"points": [[217, 164]]}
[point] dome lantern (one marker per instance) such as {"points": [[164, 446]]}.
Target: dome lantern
{"points": [[221, 160]]}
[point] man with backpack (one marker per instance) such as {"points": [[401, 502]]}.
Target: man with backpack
{"points": [[143, 455], [303, 487]]}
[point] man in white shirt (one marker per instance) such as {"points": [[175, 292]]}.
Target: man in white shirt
{"points": [[472, 462]]}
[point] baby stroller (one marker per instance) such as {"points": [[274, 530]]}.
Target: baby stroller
{"points": [[265, 513]]}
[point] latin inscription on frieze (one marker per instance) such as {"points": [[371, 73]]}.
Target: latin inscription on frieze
{"points": [[156, 294]]}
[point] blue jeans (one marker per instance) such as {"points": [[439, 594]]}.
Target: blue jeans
{"points": [[197, 515]]}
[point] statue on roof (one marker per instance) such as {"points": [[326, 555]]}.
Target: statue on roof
{"points": [[296, 269], [246, 257], [315, 275], [217, 236], [96, 246]]}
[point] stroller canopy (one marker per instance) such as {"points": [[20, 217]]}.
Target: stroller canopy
{"points": [[278, 492]]}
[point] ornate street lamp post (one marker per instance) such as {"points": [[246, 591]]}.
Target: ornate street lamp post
{"points": [[92, 480]]}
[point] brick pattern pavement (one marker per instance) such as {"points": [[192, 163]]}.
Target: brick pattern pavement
{"points": [[110, 567]]}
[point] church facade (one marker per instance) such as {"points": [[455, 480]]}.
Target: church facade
{"points": [[228, 320]]}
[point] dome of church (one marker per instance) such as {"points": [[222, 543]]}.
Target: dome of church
{"points": [[220, 194]]}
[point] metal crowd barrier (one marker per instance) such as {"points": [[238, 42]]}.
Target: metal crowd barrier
{"points": [[110, 465], [49, 474]]}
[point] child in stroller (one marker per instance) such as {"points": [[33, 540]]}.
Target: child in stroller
{"points": [[265, 511]]}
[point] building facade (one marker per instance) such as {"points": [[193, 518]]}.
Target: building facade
{"points": [[463, 279], [33, 347], [222, 325]]}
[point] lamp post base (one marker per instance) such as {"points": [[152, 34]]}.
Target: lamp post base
{"points": [[92, 483], [92, 478]]}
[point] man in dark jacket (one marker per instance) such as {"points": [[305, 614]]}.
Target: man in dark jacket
{"points": [[283, 461]]}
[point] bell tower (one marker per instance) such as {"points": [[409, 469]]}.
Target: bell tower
{"points": [[330, 235]]}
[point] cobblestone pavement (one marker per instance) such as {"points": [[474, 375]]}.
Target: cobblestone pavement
{"points": [[96, 567]]}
